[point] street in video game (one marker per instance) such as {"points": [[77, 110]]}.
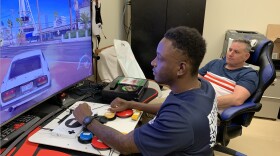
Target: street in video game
{"points": [[45, 46]]}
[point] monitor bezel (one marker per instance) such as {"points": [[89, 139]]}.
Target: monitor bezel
{"points": [[64, 88]]}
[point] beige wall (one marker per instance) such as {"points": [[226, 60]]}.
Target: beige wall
{"points": [[221, 15], [111, 13]]}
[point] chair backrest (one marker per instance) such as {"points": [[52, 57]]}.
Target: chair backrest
{"points": [[232, 127], [260, 56]]}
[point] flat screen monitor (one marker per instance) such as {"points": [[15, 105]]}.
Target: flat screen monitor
{"points": [[46, 47]]}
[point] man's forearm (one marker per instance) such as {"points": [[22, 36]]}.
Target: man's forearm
{"points": [[229, 100], [238, 97], [148, 108]]}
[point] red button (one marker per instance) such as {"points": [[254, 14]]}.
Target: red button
{"points": [[125, 113], [98, 144]]}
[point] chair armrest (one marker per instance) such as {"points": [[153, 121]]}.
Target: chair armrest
{"points": [[232, 112]]}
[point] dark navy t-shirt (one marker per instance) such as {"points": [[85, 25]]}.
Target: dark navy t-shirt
{"points": [[186, 124]]}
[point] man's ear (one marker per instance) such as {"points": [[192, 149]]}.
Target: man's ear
{"points": [[183, 68], [247, 56]]}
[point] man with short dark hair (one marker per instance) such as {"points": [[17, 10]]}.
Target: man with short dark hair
{"points": [[186, 122], [232, 81]]}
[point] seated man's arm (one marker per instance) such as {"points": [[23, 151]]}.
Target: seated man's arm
{"points": [[237, 98], [120, 104], [148, 108]]}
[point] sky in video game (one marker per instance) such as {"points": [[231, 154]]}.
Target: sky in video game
{"points": [[48, 10], [54, 33]]}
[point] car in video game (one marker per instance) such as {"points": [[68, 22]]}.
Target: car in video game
{"points": [[28, 77]]}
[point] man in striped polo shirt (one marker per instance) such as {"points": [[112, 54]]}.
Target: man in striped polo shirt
{"points": [[232, 81]]}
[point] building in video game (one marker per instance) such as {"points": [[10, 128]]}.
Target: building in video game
{"points": [[35, 31]]}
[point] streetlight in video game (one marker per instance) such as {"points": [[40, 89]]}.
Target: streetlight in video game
{"points": [[10, 25], [70, 12], [39, 23], [76, 8]]}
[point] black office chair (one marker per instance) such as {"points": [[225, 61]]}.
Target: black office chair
{"points": [[234, 118]]}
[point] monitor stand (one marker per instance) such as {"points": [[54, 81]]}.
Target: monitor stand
{"points": [[66, 99]]}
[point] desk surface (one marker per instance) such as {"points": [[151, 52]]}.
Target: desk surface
{"points": [[46, 137], [32, 147]]}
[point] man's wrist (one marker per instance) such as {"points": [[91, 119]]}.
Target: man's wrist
{"points": [[131, 104], [88, 120], [93, 122], [135, 105]]}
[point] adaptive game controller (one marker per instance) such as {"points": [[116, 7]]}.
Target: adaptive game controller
{"points": [[110, 115], [69, 128], [102, 119], [85, 136], [125, 114], [98, 144], [136, 115]]}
